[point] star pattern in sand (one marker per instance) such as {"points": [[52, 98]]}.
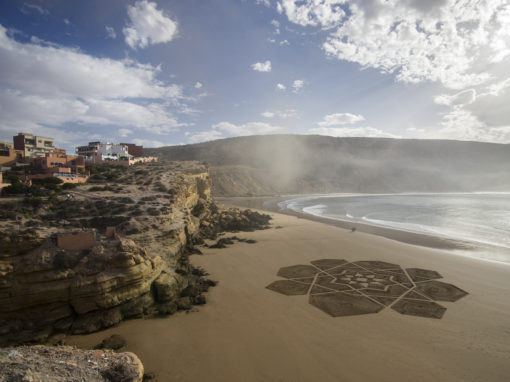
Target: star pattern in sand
{"points": [[342, 288]]}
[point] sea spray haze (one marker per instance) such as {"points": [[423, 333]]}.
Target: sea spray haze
{"points": [[290, 164]]}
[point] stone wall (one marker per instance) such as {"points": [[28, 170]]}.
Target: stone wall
{"points": [[76, 241]]}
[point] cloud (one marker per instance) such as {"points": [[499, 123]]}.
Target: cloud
{"points": [[29, 8], [262, 66], [463, 97], [284, 42], [250, 128], [462, 124], [152, 117], [480, 116], [276, 25], [110, 32], [476, 114], [148, 142], [266, 3], [205, 136], [340, 119], [351, 132], [48, 87], [323, 13], [281, 86], [284, 114], [67, 22], [491, 107], [124, 132], [198, 85], [451, 42], [148, 25], [297, 85]]}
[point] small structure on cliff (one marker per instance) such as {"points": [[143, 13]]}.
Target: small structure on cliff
{"points": [[76, 241]]}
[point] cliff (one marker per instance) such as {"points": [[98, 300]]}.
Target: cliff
{"points": [[81, 262], [291, 164]]}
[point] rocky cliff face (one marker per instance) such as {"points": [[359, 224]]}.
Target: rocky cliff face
{"points": [[140, 268]]}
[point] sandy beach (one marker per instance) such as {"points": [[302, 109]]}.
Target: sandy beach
{"points": [[247, 332]]}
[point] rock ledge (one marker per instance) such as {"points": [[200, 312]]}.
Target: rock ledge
{"points": [[68, 364]]}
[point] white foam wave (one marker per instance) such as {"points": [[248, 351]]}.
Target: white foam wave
{"points": [[317, 210]]}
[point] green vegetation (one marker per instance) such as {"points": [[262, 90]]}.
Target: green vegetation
{"points": [[16, 189], [69, 186], [11, 178], [105, 173], [45, 187]]}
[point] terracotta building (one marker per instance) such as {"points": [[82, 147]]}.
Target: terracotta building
{"points": [[69, 168], [59, 161], [32, 145], [88, 151], [8, 155], [134, 150]]}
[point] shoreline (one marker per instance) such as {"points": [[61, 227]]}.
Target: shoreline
{"points": [[465, 248], [270, 204]]}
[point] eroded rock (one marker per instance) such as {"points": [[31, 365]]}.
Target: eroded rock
{"points": [[68, 364], [131, 267]]}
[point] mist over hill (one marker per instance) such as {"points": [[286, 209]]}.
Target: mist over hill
{"points": [[281, 164]]}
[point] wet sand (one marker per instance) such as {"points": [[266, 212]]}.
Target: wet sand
{"points": [[246, 332]]}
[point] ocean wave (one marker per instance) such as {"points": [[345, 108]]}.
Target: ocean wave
{"points": [[480, 217], [317, 210]]}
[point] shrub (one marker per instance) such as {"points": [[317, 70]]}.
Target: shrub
{"points": [[96, 177], [35, 190], [53, 187], [69, 186], [111, 176], [16, 189], [51, 180], [33, 201], [12, 179]]}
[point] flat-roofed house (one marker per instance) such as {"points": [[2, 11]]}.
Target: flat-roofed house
{"points": [[8, 155], [33, 146]]}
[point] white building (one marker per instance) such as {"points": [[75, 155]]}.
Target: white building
{"points": [[112, 151], [114, 154], [99, 152]]}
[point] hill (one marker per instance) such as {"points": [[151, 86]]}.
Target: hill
{"points": [[281, 164]]}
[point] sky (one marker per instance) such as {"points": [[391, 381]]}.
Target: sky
{"points": [[169, 72]]}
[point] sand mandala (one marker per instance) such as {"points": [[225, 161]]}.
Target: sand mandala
{"points": [[342, 288]]}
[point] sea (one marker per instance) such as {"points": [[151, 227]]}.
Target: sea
{"points": [[479, 218]]}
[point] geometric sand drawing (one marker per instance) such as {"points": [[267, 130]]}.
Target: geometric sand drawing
{"points": [[342, 288]]}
